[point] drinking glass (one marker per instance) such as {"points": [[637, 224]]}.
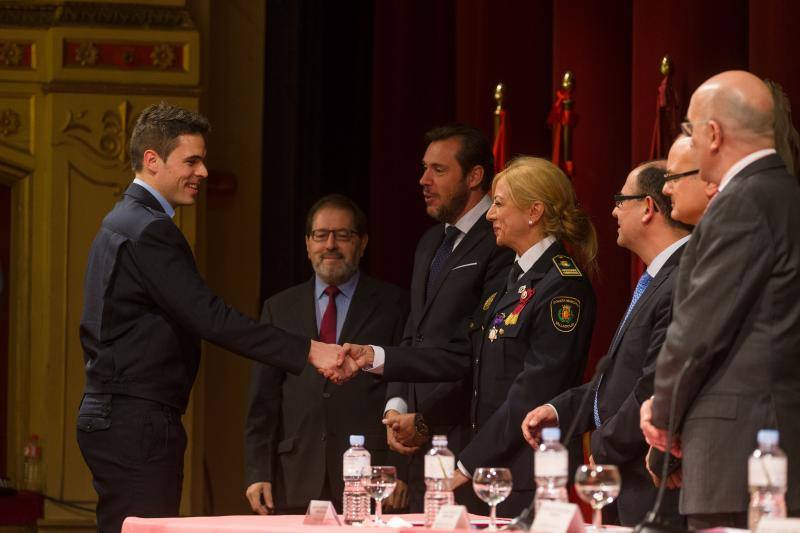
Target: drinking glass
{"points": [[598, 486], [379, 483], [492, 485]]}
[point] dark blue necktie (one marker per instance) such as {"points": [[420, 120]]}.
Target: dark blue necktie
{"points": [[442, 253], [644, 281]]}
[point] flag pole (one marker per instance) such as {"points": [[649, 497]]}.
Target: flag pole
{"points": [[499, 94]]}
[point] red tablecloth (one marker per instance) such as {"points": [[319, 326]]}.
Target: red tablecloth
{"points": [[251, 524]]}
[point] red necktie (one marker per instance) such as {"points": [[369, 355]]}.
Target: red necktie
{"points": [[327, 328]]}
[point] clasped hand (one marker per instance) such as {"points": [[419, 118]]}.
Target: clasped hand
{"points": [[339, 363]]}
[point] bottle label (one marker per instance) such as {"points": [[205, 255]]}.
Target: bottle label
{"points": [[354, 466], [766, 471], [549, 464], [439, 466]]}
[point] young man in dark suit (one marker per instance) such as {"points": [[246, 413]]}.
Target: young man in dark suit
{"points": [[647, 230], [298, 426], [735, 319], [146, 308], [454, 262]]}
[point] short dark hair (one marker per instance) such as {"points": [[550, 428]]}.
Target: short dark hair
{"points": [[338, 201], [158, 128], [475, 149], [650, 181]]}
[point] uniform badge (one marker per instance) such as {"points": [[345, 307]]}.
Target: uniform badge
{"points": [[495, 330], [565, 312], [566, 266], [488, 303], [524, 297]]}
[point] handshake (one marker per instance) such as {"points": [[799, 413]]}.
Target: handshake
{"points": [[340, 363]]}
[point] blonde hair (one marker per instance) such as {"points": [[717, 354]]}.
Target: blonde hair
{"points": [[532, 179]]}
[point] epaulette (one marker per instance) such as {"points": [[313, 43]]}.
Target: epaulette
{"points": [[566, 266]]}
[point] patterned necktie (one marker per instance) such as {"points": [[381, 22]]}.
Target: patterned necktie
{"points": [[513, 276], [644, 281], [442, 253], [327, 327]]}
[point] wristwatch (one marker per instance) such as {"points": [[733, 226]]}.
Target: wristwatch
{"points": [[420, 426]]}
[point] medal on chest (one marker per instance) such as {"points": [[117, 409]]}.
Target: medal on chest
{"points": [[496, 330]]}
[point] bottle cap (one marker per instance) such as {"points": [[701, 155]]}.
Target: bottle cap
{"points": [[440, 440], [768, 437], [551, 434], [356, 440]]}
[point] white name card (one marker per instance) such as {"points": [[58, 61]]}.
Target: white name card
{"points": [[557, 517], [778, 525], [451, 517], [321, 512]]}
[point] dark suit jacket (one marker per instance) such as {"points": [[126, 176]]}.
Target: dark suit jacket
{"points": [[468, 272], [625, 385], [737, 316], [298, 427], [528, 363], [146, 307]]}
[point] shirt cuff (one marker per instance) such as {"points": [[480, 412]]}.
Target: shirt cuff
{"points": [[377, 361], [464, 469], [397, 404], [553, 407]]}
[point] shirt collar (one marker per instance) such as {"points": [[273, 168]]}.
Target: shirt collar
{"points": [[656, 264], [742, 163], [168, 209], [471, 217], [347, 288], [532, 254]]}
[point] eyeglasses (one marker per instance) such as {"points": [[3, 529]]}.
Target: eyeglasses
{"points": [[672, 177], [342, 235], [619, 198], [688, 127]]}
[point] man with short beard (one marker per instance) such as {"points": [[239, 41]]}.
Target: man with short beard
{"points": [[298, 426], [453, 264]]}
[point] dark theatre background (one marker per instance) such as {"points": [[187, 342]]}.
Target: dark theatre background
{"points": [[351, 87]]}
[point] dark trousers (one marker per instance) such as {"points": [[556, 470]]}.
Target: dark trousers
{"points": [[134, 449], [706, 521]]}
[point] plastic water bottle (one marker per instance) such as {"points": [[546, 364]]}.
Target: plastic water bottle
{"points": [[550, 469], [355, 500], [440, 463], [32, 467], [766, 477]]}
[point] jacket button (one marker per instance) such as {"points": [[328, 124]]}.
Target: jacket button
{"points": [[326, 394]]}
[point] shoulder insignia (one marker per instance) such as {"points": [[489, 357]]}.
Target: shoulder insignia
{"points": [[565, 311], [488, 303], [566, 266]]}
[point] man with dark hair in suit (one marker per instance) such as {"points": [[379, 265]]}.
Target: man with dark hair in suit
{"points": [[454, 261], [735, 320], [298, 426], [647, 230], [146, 308]]}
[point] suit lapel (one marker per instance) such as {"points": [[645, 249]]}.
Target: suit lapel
{"points": [[362, 306], [306, 311], [662, 275], [470, 240]]}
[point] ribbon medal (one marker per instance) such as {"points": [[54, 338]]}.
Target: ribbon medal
{"points": [[524, 297], [495, 329]]}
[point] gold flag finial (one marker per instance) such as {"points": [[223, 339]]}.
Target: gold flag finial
{"points": [[499, 94], [568, 81], [666, 66]]}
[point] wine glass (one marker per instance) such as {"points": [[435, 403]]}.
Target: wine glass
{"points": [[598, 486], [492, 485], [379, 483]]}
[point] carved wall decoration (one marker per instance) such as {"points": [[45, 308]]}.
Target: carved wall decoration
{"points": [[162, 56], [116, 188], [86, 54], [95, 14], [15, 54], [124, 56], [110, 143], [9, 122]]}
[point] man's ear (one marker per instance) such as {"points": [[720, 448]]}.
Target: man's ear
{"points": [[649, 210], [475, 177], [151, 161]]}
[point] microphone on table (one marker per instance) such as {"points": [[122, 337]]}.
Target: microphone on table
{"points": [[653, 523], [524, 520]]}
